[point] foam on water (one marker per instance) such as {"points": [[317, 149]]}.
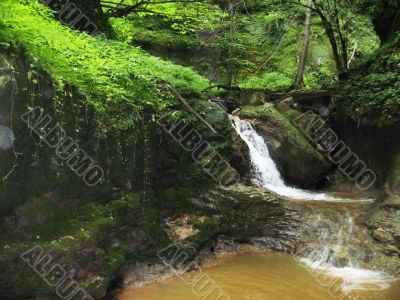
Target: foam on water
{"points": [[322, 259], [265, 172], [326, 260], [352, 278]]}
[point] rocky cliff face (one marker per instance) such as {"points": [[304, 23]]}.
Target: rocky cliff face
{"points": [[384, 221], [90, 231], [298, 161]]}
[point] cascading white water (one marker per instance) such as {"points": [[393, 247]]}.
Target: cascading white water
{"points": [[330, 257], [326, 255], [265, 172]]}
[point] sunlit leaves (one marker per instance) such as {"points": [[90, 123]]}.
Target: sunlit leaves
{"points": [[115, 78]]}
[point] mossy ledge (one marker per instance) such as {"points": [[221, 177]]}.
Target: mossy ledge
{"points": [[108, 73]]}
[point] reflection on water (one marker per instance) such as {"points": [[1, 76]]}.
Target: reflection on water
{"points": [[256, 276]]}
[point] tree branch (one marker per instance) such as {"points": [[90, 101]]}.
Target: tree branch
{"points": [[190, 109], [128, 9], [295, 3]]}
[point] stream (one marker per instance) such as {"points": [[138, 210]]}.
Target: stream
{"points": [[330, 266], [256, 276]]}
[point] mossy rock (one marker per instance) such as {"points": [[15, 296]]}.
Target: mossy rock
{"points": [[252, 98], [298, 161]]}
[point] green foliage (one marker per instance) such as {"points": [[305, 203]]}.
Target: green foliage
{"points": [[267, 40], [268, 43], [373, 6], [187, 17], [371, 96], [273, 82], [116, 79], [130, 32], [181, 17], [261, 42]]}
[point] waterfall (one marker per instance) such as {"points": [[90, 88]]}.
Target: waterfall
{"points": [[333, 256], [264, 170], [328, 242]]}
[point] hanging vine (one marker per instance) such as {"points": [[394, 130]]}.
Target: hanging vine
{"points": [[14, 89]]}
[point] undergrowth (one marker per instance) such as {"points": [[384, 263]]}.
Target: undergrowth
{"points": [[115, 78]]}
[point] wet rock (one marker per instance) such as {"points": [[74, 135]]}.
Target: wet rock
{"points": [[298, 161], [384, 221], [240, 155], [140, 274], [236, 111]]}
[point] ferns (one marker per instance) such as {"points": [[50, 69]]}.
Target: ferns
{"points": [[112, 75]]}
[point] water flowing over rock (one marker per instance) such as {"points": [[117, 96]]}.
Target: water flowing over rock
{"points": [[265, 171], [331, 237], [296, 159]]}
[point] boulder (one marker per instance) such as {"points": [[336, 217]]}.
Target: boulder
{"points": [[252, 98], [297, 160], [284, 105]]}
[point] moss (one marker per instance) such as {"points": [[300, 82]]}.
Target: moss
{"points": [[116, 79], [268, 112], [298, 161], [371, 94], [207, 232], [269, 81], [129, 32], [177, 199], [75, 227]]}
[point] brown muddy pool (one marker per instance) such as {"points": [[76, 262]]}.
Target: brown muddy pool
{"points": [[268, 276]]}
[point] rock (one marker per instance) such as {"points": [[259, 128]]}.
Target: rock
{"points": [[252, 98], [236, 112], [251, 215], [139, 274], [384, 221], [85, 249], [284, 105], [115, 243], [392, 251], [33, 212], [298, 161], [239, 155]]}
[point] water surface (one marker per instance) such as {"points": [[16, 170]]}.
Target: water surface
{"points": [[266, 276]]}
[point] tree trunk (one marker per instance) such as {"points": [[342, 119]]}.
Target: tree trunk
{"points": [[303, 58], [332, 40], [83, 15], [342, 41], [229, 71]]}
